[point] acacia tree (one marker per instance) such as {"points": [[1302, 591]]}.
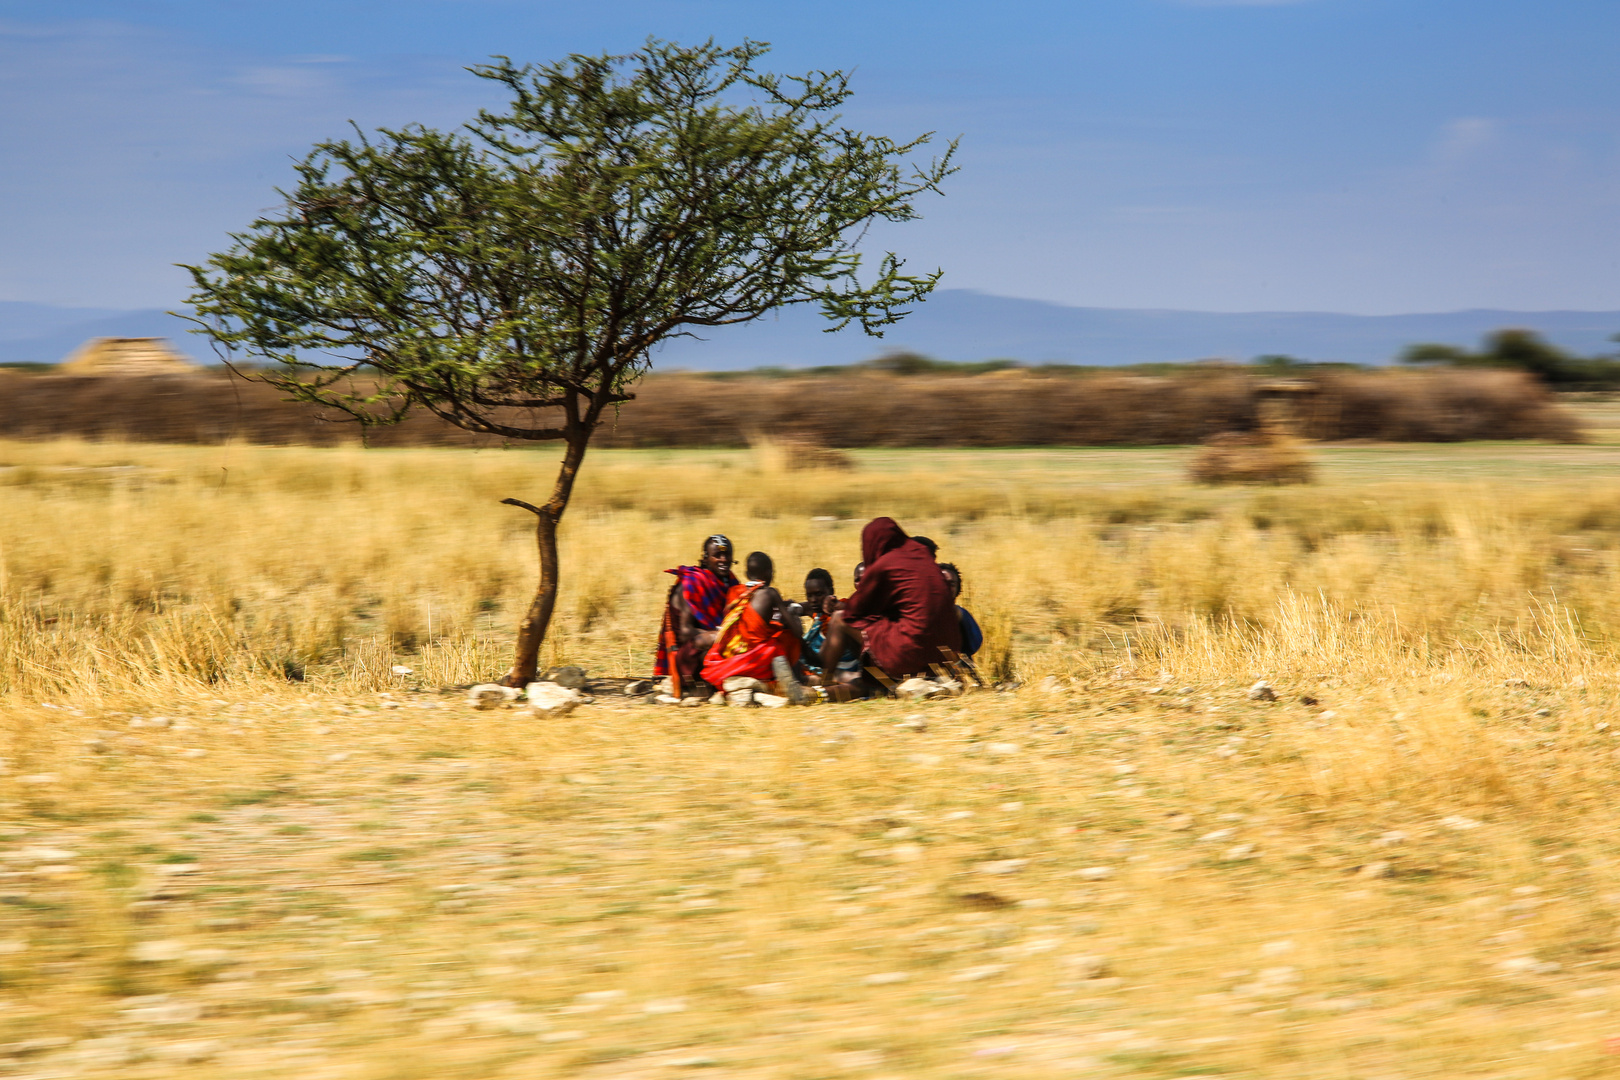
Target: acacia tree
{"points": [[514, 276]]}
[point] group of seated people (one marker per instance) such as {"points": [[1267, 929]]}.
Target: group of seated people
{"points": [[901, 620]]}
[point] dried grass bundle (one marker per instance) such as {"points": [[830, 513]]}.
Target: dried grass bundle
{"points": [[1246, 457]]}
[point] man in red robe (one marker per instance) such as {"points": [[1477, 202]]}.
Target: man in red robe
{"points": [[759, 637], [902, 612], [692, 614]]}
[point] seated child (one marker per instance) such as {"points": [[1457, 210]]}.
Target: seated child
{"points": [[818, 589], [758, 636], [972, 636]]}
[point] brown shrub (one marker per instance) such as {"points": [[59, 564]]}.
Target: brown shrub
{"points": [[860, 409], [1438, 406], [775, 455], [1246, 457]]}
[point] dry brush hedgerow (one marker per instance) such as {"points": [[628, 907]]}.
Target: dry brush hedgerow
{"points": [[857, 409], [1403, 866]]}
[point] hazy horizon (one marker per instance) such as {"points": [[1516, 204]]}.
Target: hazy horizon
{"points": [[958, 325]]}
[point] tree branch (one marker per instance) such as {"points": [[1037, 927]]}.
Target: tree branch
{"points": [[530, 507]]}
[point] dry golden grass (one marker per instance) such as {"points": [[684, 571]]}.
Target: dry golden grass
{"points": [[1127, 868]]}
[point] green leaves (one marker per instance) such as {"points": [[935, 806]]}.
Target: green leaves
{"points": [[513, 276]]}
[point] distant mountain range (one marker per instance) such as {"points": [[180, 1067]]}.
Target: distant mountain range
{"points": [[957, 324], [41, 333]]}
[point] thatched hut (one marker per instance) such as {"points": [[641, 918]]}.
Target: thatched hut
{"points": [[127, 356]]}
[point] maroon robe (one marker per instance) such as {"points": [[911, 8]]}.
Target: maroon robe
{"points": [[903, 606]]}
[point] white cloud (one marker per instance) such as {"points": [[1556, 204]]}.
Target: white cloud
{"points": [[1465, 138], [280, 80]]}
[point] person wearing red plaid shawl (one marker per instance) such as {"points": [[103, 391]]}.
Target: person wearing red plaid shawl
{"points": [[697, 602]]}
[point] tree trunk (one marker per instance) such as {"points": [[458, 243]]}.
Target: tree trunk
{"points": [[532, 631]]}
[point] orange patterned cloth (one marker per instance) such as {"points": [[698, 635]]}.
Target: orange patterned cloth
{"points": [[747, 642]]}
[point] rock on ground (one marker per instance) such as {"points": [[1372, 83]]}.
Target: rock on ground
{"points": [[491, 695], [550, 699], [567, 675]]}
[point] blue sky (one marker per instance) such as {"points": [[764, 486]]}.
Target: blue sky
{"points": [[1372, 156]]}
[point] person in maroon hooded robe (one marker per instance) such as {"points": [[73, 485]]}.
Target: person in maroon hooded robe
{"points": [[901, 613]]}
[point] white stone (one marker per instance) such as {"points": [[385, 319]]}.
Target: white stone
{"points": [[741, 697], [770, 701], [979, 974], [667, 699], [917, 689], [887, 978], [664, 1006], [1087, 967], [1095, 873], [491, 695], [549, 699], [1376, 869], [502, 1016], [1262, 691], [1002, 866], [1527, 965], [1003, 749], [158, 952], [1458, 822], [105, 1052], [187, 1051], [400, 669], [600, 997], [160, 1010], [46, 855], [1239, 852], [742, 682]]}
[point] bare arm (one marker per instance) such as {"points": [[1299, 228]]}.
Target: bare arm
{"points": [[686, 627], [768, 602]]}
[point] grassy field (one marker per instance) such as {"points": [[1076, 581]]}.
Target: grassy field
{"points": [[235, 844]]}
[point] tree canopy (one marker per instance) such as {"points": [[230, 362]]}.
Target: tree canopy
{"points": [[534, 258], [514, 276]]}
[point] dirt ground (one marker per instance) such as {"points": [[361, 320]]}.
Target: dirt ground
{"points": [[1123, 878]]}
